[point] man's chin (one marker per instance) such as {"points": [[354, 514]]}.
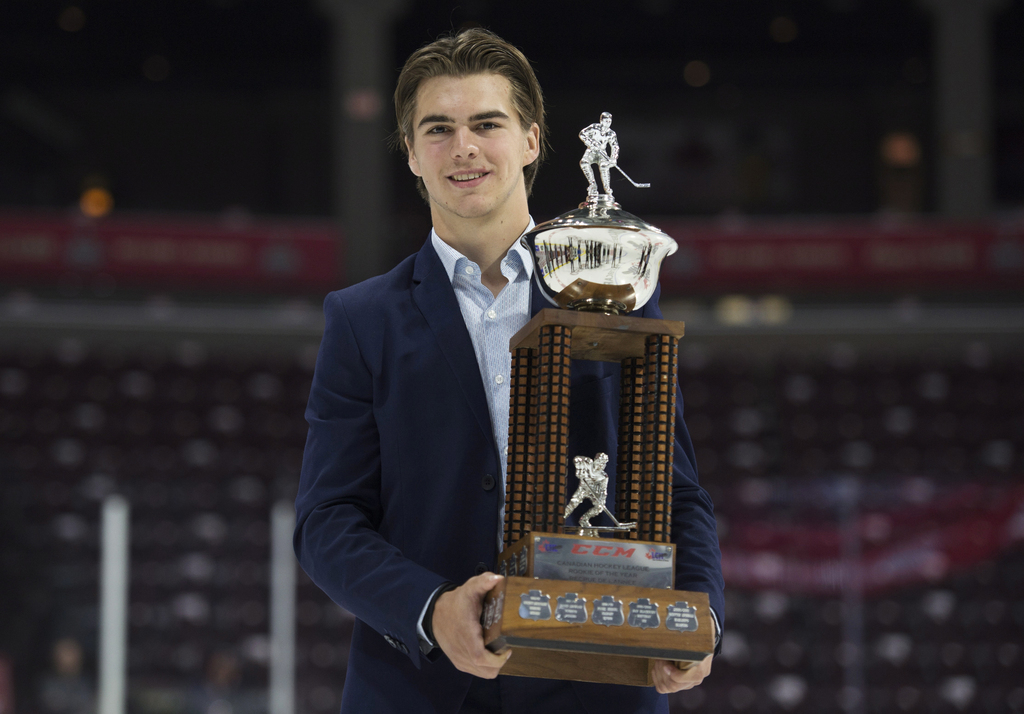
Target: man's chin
{"points": [[466, 210]]}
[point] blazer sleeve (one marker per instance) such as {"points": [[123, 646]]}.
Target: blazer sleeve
{"points": [[698, 557], [339, 508]]}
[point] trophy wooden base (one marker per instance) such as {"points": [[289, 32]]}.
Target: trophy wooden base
{"points": [[593, 609], [541, 621]]}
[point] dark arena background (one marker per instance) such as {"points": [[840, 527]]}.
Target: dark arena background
{"points": [[182, 181]]}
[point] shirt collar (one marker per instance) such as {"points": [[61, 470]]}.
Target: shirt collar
{"points": [[451, 257]]}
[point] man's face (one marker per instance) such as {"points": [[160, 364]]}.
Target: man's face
{"points": [[469, 148]]}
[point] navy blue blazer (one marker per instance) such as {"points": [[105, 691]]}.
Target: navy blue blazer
{"points": [[400, 486]]}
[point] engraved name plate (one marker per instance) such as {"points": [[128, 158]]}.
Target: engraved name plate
{"points": [[571, 608], [681, 617], [608, 611], [616, 562], [521, 567], [534, 605], [644, 614], [503, 569]]}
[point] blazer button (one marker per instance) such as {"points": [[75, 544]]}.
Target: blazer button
{"points": [[481, 568], [487, 482]]}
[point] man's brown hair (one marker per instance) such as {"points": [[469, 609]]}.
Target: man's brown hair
{"points": [[473, 51]]}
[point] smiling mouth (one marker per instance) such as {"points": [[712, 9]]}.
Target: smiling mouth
{"points": [[467, 176]]}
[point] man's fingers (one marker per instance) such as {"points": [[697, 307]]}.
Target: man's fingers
{"points": [[668, 677], [457, 627], [495, 662], [484, 664]]}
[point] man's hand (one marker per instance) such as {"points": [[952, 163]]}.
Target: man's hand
{"points": [[669, 678], [457, 627]]}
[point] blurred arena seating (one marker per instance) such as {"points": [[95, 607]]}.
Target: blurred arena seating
{"points": [[203, 443], [200, 448]]}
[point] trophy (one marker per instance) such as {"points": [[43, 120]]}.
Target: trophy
{"points": [[586, 602]]}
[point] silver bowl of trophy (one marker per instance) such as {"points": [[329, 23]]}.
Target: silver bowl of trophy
{"points": [[598, 257]]}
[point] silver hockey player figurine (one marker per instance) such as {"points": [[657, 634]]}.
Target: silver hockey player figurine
{"points": [[598, 257], [594, 488], [598, 137]]}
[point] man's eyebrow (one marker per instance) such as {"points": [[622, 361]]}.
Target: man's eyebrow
{"points": [[442, 119], [435, 119], [494, 114]]}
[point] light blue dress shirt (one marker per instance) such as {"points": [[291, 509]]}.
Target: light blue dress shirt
{"points": [[491, 322]]}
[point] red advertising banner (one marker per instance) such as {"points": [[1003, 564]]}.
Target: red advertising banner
{"points": [[714, 256], [892, 548], [844, 254], [173, 252]]}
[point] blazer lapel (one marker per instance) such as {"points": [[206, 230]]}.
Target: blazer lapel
{"points": [[433, 294]]}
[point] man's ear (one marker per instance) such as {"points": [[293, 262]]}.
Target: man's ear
{"points": [[532, 150], [414, 165]]}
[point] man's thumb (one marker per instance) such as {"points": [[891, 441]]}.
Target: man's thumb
{"points": [[486, 582]]}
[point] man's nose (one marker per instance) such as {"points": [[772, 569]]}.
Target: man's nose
{"points": [[464, 145]]}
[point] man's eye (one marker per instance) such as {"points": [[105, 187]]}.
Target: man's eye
{"points": [[437, 130], [488, 125]]}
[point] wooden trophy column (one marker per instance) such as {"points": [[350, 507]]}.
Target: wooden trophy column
{"points": [[538, 434]]}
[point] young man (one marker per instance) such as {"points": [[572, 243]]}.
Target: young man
{"points": [[399, 503]]}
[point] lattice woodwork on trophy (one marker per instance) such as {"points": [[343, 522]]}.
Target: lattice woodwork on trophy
{"points": [[660, 360], [553, 366], [520, 484], [538, 458], [631, 442]]}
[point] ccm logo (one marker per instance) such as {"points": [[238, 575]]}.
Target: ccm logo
{"points": [[605, 550]]}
